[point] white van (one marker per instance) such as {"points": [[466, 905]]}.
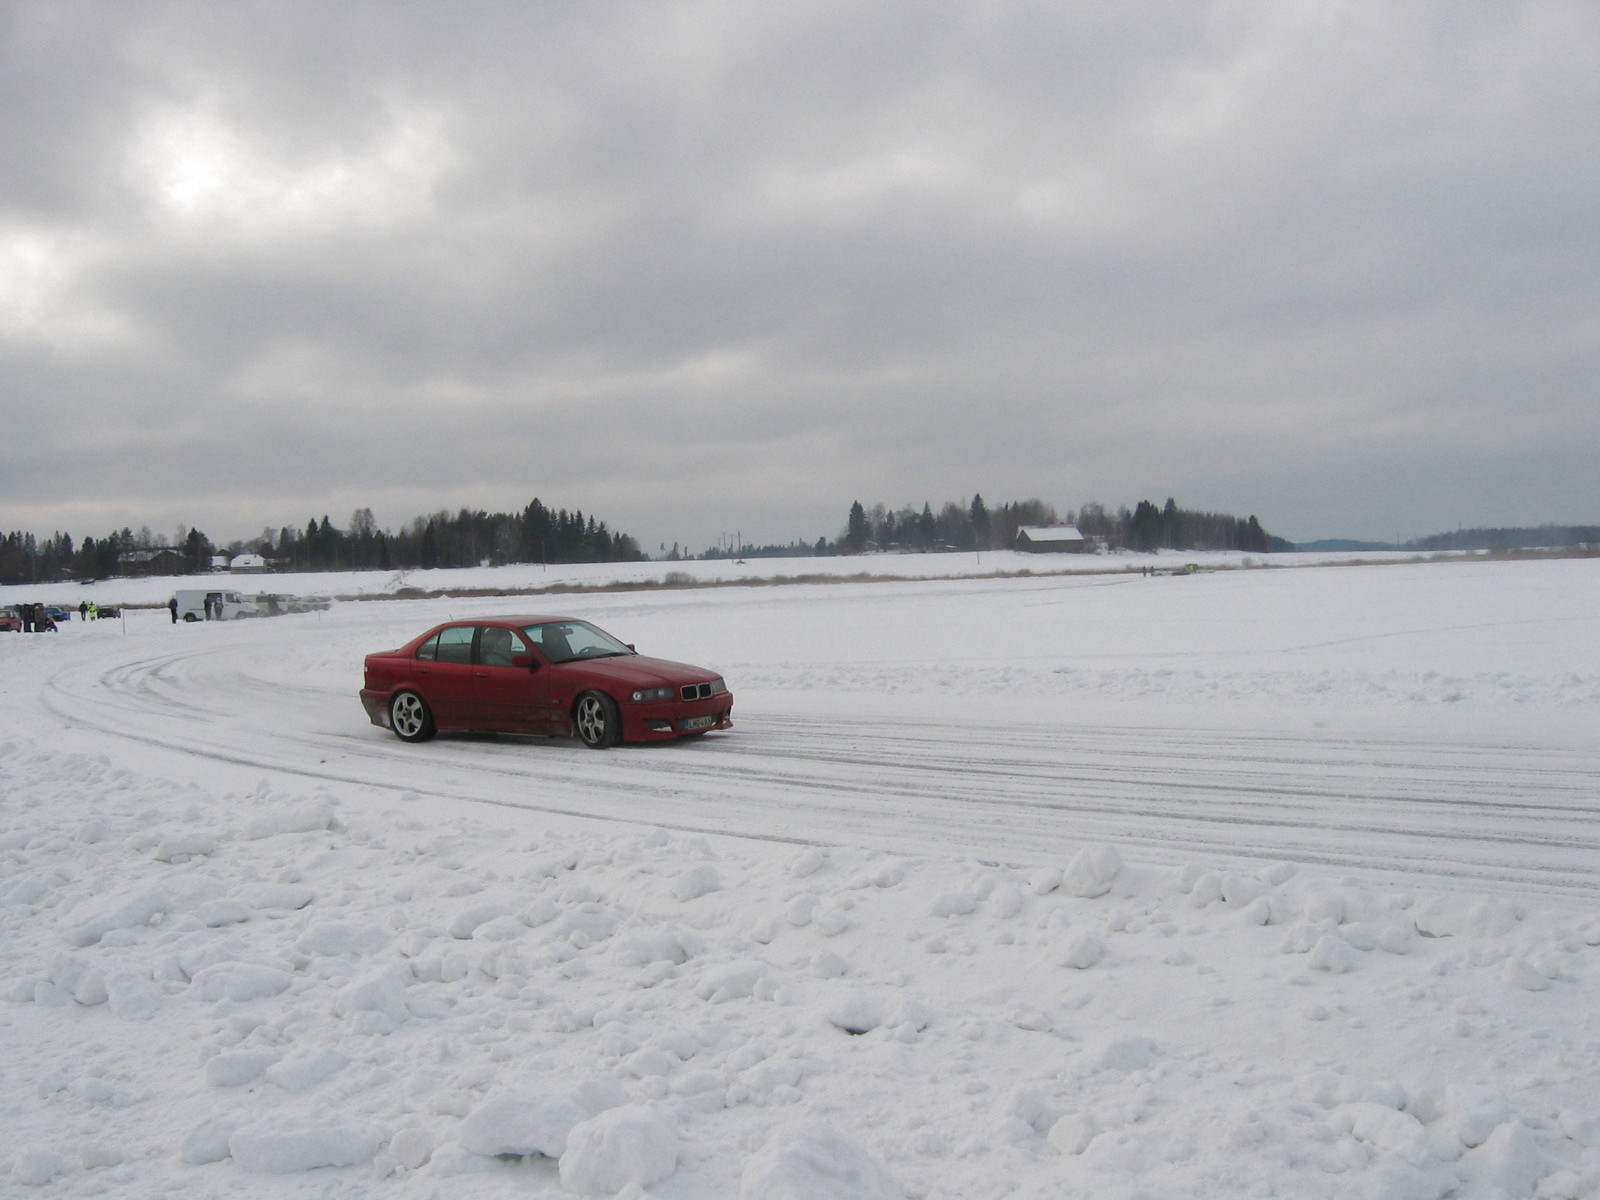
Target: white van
{"points": [[202, 605]]}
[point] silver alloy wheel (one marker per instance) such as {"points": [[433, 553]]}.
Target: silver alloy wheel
{"points": [[596, 719], [409, 716]]}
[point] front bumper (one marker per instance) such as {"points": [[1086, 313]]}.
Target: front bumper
{"points": [[664, 720]]}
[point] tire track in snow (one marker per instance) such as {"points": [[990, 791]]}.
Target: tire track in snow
{"points": [[1002, 792]]}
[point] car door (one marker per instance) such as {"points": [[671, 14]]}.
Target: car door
{"points": [[446, 678], [511, 685]]}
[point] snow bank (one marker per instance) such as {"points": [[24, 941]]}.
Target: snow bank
{"points": [[1095, 1026]]}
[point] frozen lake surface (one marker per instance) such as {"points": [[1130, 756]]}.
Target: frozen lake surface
{"points": [[1243, 882]]}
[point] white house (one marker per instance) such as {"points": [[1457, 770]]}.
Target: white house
{"points": [[249, 563]]}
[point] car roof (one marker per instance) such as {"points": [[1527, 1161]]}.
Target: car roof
{"points": [[518, 621]]}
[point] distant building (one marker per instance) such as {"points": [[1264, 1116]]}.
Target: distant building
{"points": [[1053, 539], [163, 560], [219, 562], [249, 564]]}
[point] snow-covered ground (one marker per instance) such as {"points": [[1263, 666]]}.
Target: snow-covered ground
{"points": [[529, 577], [1260, 882]]}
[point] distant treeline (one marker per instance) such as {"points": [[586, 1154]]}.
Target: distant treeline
{"points": [[463, 539], [1540, 538], [975, 526]]}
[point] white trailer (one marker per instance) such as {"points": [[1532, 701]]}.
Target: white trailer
{"points": [[218, 604]]}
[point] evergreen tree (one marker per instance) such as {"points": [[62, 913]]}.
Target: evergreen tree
{"points": [[978, 515], [857, 531]]}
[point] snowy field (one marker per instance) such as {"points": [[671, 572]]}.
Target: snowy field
{"points": [[1249, 883], [532, 577]]}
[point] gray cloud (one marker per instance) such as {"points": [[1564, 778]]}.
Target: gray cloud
{"points": [[708, 266]]}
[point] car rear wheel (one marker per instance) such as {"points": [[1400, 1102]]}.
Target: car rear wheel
{"points": [[410, 718], [598, 721]]}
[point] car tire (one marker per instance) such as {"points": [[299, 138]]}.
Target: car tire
{"points": [[410, 717], [597, 720], [190, 618]]}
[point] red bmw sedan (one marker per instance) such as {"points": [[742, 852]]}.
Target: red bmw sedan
{"points": [[548, 675]]}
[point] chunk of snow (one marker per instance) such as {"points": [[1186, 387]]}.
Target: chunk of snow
{"points": [[1334, 955], [1091, 872], [38, 1167], [642, 949], [1073, 1133], [91, 989], [857, 1012], [1581, 1126], [523, 1122], [463, 923], [290, 1140], [306, 1068], [381, 990], [124, 914], [186, 846], [226, 911], [1240, 890], [696, 882], [808, 862], [1033, 1108], [1454, 916], [240, 981], [814, 1163], [1082, 950], [505, 928], [733, 983], [634, 1145], [238, 1067], [1472, 1113], [1005, 902], [131, 996], [333, 939], [411, 1147], [276, 895], [954, 904], [1509, 1161], [304, 818], [1520, 972], [1130, 1052], [94, 1155]]}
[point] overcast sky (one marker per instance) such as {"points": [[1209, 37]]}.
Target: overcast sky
{"points": [[707, 267]]}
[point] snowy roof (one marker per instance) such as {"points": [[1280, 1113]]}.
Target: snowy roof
{"points": [[249, 560], [1050, 533]]}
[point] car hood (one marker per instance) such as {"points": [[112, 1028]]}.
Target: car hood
{"points": [[639, 670]]}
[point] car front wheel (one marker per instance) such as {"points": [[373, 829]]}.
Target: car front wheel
{"points": [[409, 717], [598, 721]]}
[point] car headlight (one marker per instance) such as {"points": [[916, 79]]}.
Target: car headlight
{"points": [[718, 686], [648, 694]]}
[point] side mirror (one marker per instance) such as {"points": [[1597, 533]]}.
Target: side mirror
{"points": [[526, 661], [630, 647]]}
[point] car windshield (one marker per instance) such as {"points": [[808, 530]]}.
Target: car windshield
{"points": [[564, 641]]}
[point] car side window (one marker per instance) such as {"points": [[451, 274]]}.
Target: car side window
{"points": [[551, 640], [455, 644], [429, 650], [496, 646]]}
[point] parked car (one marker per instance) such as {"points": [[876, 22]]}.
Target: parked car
{"points": [[10, 621], [547, 675], [58, 615]]}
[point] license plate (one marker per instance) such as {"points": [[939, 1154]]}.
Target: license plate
{"points": [[698, 723]]}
